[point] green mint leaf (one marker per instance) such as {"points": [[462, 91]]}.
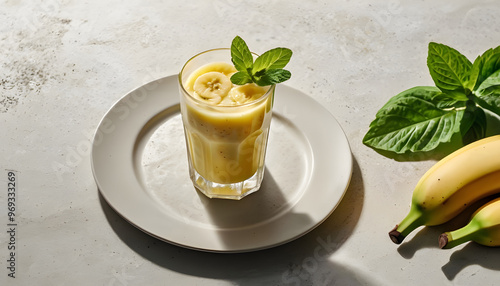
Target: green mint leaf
{"points": [[484, 66], [411, 121], [488, 93], [449, 69], [273, 76], [241, 78], [276, 58], [267, 69], [240, 55]]}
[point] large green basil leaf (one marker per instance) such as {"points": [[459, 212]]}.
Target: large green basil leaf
{"points": [[448, 68], [412, 121], [447, 101], [484, 66], [488, 93]]}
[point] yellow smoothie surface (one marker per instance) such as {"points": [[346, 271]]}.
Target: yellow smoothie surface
{"points": [[226, 145], [211, 84]]}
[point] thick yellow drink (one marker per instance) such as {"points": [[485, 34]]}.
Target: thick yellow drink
{"points": [[226, 127]]}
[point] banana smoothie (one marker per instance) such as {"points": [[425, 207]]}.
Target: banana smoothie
{"points": [[225, 146], [226, 106]]}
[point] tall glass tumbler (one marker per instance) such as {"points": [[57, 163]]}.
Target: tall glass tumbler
{"points": [[226, 145]]}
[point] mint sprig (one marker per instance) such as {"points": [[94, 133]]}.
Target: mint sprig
{"points": [[267, 68], [421, 118]]}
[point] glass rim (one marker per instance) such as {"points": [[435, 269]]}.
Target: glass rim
{"points": [[268, 93]]}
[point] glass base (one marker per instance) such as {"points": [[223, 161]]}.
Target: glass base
{"points": [[233, 191]]}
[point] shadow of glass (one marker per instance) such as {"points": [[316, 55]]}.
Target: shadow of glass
{"points": [[257, 209], [268, 200], [300, 261], [471, 254]]}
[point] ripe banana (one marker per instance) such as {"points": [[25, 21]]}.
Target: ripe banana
{"points": [[483, 228], [458, 180]]}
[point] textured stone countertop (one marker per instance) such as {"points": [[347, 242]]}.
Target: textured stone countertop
{"points": [[64, 63]]}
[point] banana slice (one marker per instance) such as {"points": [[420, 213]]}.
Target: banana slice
{"points": [[212, 86], [246, 93]]}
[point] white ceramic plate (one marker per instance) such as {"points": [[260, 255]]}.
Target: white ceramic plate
{"points": [[140, 166]]}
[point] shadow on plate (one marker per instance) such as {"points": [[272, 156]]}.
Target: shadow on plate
{"points": [[257, 209], [269, 200], [299, 262]]}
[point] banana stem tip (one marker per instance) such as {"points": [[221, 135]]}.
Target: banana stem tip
{"points": [[443, 240], [396, 236]]}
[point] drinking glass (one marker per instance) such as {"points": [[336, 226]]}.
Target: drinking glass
{"points": [[226, 145]]}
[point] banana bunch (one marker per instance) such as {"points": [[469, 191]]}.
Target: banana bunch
{"points": [[483, 228], [451, 185]]}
